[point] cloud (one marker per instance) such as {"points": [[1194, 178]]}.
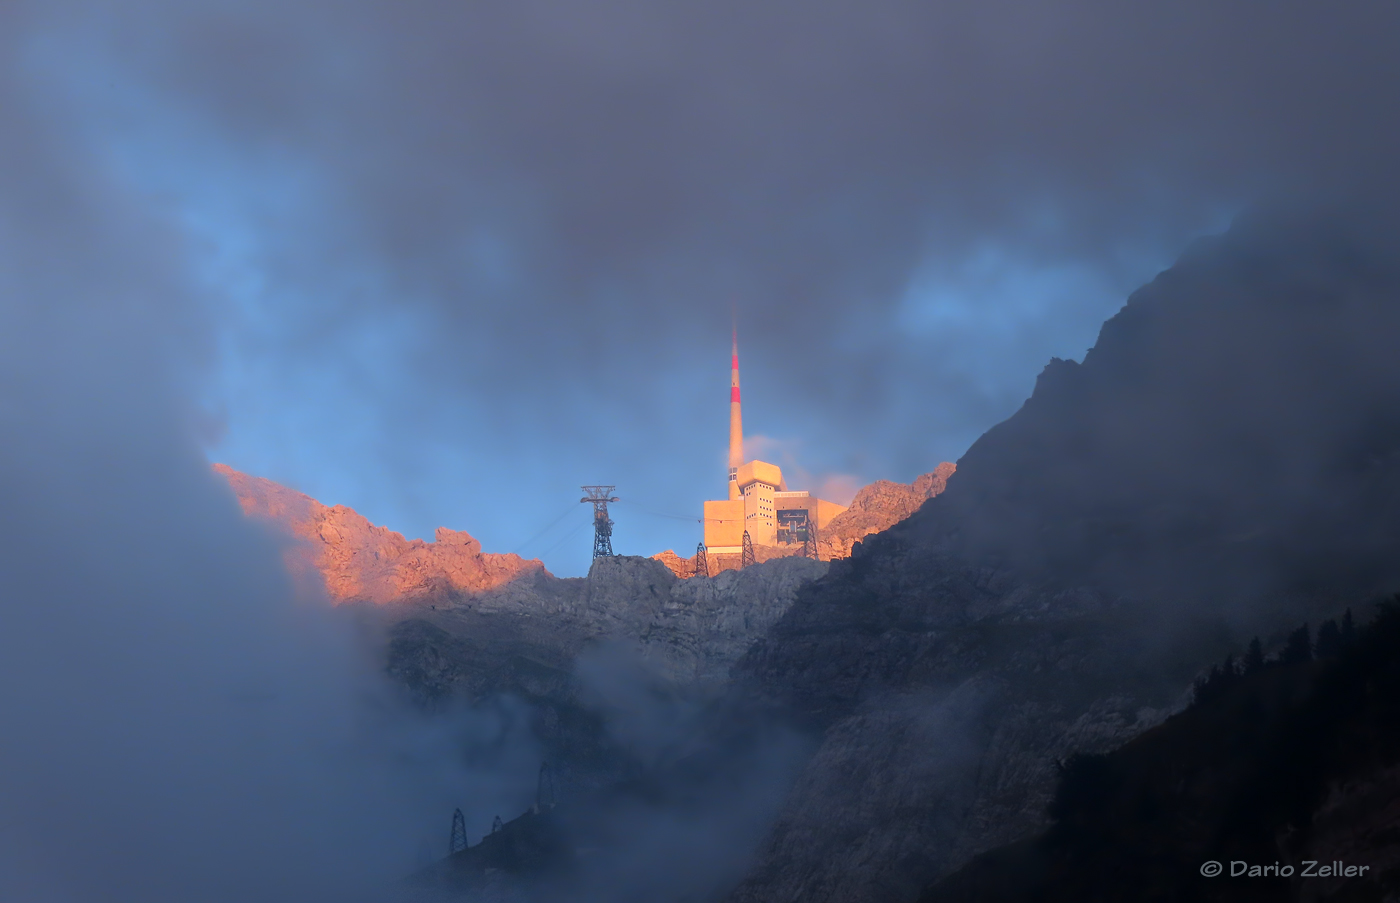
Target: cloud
{"points": [[770, 448], [840, 488], [526, 213], [177, 726], [712, 776]]}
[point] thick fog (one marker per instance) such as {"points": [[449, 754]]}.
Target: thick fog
{"points": [[174, 724]]}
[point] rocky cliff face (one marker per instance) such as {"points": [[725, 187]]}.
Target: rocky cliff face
{"points": [[1225, 460], [690, 630], [686, 632], [358, 561], [878, 507]]}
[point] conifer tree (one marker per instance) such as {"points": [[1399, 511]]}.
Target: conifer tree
{"points": [[1298, 649], [1329, 639], [1254, 658], [1229, 673]]}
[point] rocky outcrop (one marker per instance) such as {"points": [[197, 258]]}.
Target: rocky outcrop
{"points": [[689, 632], [878, 507], [681, 567], [358, 561], [695, 629]]}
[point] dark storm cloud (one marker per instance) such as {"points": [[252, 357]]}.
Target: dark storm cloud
{"points": [[581, 190]]}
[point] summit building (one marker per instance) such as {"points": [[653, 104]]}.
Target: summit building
{"points": [[759, 501]]}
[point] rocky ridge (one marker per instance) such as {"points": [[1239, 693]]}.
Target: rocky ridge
{"points": [[690, 630], [359, 561], [878, 507]]}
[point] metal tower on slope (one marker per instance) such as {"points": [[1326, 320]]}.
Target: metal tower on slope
{"points": [[702, 562], [747, 557], [809, 542], [602, 525], [459, 833]]}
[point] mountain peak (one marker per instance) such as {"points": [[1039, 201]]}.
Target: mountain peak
{"points": [[360, 561]]}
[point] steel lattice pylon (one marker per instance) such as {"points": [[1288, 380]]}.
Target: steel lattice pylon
{"points": [[459, 833], [809, 541], [747, 558], [602, 525], [702, 562]]}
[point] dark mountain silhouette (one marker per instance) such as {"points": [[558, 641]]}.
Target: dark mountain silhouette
{"points": [[1225, 462], [1233, 434]]}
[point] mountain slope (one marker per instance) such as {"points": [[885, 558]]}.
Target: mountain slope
{"points": [[878, 507], [1225, 461], [1233, 434], [1290, 764]]}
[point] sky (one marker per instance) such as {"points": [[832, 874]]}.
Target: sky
{"points": [[450, 262]]}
